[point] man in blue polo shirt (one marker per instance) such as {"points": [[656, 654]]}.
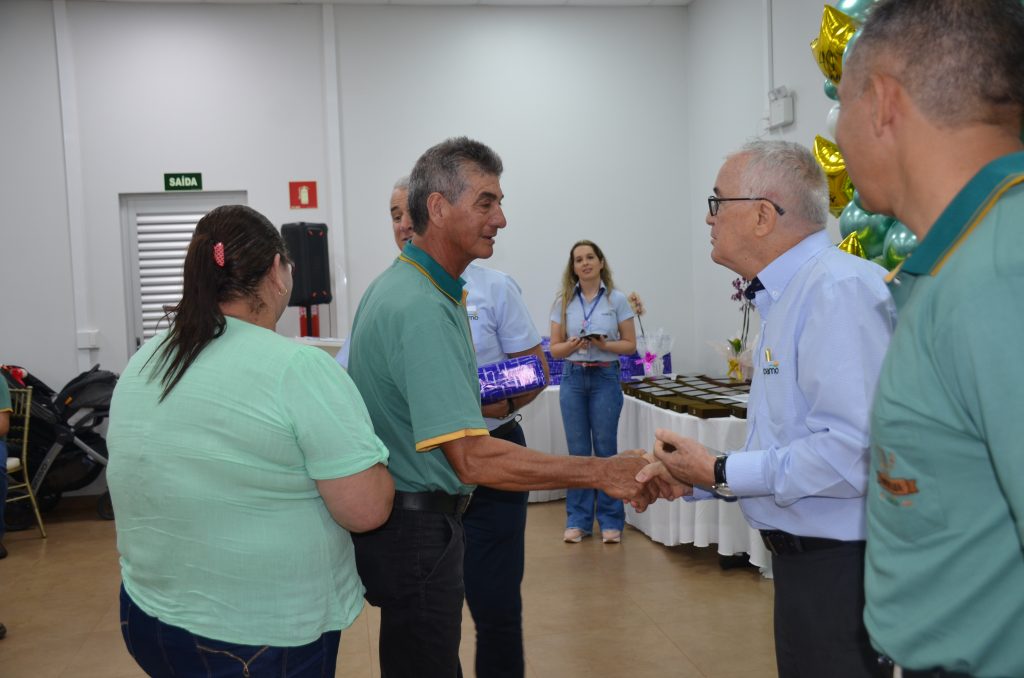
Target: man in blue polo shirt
{"points": [[932, 100], [414, 363]]}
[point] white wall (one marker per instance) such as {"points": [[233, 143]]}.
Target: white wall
{"points": [[725, 67], [583, 105], [612, 124], [37, 328]]}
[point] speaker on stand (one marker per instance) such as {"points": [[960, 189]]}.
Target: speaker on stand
{"points": [[307, 245]]}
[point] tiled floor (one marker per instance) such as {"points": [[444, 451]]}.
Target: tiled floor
{"points": [[636, 610]]}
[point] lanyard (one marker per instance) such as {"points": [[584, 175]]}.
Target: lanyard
{"points": [[586, 313]]}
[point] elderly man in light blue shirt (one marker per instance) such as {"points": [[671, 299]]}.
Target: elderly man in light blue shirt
{"points": [[826, 320]]}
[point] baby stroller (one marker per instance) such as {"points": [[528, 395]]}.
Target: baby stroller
{"points": [[66, 452]]}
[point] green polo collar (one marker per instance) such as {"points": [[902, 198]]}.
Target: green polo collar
{"points": [[967, 210], [425, 264]]}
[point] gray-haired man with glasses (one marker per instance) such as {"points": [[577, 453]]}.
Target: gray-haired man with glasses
{"points": [[826, 319]]}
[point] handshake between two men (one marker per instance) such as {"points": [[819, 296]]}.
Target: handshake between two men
{"points": [[670, 470]]}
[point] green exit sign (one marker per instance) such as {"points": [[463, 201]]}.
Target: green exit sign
{"points": [[192, 181]]}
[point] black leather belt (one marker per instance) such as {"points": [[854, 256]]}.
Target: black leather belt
{"points": [[506, 428], [888, 668], [783, 543], [435, 502]]}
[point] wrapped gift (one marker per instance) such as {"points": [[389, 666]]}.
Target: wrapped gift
{"points": [[510, 378], [652, 349]]}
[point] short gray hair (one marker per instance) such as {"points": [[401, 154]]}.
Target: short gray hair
{"points": [[402, 184], [961, 61], [788, 174], [441, 169]]}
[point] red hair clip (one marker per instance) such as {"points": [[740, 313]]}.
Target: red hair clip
{"points": [[218, 254]]}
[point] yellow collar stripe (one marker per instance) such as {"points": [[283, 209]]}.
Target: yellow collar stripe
{"points": [[978, 217], [433, 282]]}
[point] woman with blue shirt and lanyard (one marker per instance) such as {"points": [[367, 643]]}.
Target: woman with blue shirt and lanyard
{"points": [[591, 326]]}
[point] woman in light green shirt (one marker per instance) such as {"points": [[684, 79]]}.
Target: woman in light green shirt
{"points": [[239, 462]]}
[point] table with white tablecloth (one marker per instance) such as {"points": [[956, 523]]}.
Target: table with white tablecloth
{"points": [[701, 523]]}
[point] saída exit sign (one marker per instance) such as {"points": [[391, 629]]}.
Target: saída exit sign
{"points": [[183, 181]]}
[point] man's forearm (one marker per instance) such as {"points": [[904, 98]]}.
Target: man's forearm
{"points": [[482, 460]]}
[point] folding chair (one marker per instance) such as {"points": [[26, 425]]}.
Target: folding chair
{"points": [[17, 441]]}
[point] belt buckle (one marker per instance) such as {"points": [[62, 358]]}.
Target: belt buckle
{"points": [[463, 503]]}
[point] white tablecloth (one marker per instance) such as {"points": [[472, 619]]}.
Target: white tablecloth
{"points": [[700, 523]]}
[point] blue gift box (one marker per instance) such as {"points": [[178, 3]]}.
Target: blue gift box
{"points": [[510, 378], [629, 365]]}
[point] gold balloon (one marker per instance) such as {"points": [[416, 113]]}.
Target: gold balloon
{"points": [[836, 30], [851, 245], [840, 188]]}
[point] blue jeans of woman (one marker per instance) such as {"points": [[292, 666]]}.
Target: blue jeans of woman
{"points": [[591, 400], [162, 650]]}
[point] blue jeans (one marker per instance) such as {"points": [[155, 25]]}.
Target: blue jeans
{"points": [[3, 492], [591, 400], [164, 650], [495, 525]]}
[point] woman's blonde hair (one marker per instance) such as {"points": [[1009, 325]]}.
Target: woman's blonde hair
{"points": [[569, 278]]}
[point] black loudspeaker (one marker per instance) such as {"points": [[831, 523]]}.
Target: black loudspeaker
{"points": [[307, 244]]}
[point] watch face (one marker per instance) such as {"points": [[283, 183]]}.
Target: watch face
{"points": [[722, 491]]}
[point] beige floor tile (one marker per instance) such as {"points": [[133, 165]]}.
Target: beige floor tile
{"points": [[633, 610]]}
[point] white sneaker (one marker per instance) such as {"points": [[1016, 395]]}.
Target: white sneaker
{"points": [[573, 535], [611, 536]]}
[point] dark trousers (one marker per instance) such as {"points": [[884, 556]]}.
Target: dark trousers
{"points": [[495, 524], [165, 651], [412, 569], [819, 614]]}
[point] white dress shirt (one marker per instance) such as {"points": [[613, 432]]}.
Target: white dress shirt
{"points": [[826, 321]]}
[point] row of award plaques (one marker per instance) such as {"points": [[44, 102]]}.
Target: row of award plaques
{"points": [[700, 396]]}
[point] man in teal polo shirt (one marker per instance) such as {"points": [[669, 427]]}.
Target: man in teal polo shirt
{"points": [[413, 361], [932, 100]]}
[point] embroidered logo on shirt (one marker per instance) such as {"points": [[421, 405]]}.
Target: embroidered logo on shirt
{"points": [[473, 313], [895, 488], [771, 366]]}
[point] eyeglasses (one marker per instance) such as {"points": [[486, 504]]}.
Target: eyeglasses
{"points": [[715, 202]]}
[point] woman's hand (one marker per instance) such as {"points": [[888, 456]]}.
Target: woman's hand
{"points": [[578, 344]]}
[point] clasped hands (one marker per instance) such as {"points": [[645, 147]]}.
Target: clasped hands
{"points": [[670, 471]]}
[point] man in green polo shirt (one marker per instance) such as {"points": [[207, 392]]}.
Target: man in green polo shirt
{"points": [[413, 361], [932, 99]]}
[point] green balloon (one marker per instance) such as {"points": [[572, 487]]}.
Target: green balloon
{"points": [[899, 243], [830, 90], [858, 9], [873, 231], [880, 260]]}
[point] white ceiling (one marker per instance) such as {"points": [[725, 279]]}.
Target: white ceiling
{"points": [[503, 3]]}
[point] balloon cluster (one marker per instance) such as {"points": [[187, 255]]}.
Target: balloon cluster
{"points": [[878, 237]]}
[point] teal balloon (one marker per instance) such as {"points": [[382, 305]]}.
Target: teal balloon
{"points": [[849, 46], [899, 243], [856, 196], [858, 9], [851, 219], [830, 90]]}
